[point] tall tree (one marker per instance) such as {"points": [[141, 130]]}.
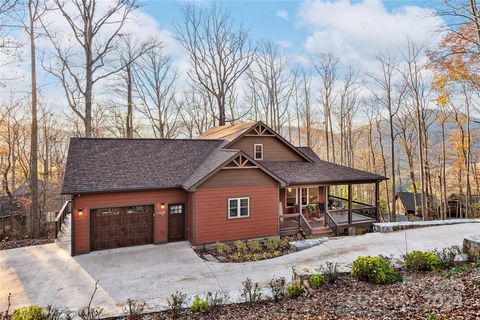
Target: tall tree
{"points": [[219, 52], [79, 66]]}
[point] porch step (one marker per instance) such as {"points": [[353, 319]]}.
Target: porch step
{"points": [[322, 232]]}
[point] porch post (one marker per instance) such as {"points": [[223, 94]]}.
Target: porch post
{"points": [[377, 201], [349, 203]]}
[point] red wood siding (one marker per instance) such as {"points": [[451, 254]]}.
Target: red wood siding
{"points": [[190, 210], [211, 219], [81, 232]]}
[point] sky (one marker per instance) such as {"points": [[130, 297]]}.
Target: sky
{"points": [[353, 30]]}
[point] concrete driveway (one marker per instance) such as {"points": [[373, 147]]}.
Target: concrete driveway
{"points": [[46, 274]]}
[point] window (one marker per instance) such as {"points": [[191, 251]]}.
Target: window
{"points": [[176, 209], [238, 208], [108, 211], [291, 197], [304, 196], [313, 195], [258, 151]]}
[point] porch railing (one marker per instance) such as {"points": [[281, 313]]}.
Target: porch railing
{"points": [[304, 224], [331, 223], [61, 216], [289, 224]]}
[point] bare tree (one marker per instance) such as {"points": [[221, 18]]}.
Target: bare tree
{"points": [[79, 66], [327, 66], [155, 85], [219, 53]]}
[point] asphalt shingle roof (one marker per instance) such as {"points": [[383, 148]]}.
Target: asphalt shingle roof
{"points": [[100, 165], [320, 171]]}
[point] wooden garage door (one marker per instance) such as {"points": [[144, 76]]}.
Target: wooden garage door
{"points": [[121, 227]]}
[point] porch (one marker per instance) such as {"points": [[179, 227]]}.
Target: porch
{"points": [[328, 210]]}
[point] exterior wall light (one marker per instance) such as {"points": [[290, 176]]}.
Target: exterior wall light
{"points": [[80, 212], [162, 208]]}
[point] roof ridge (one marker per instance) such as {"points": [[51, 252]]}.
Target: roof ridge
{"points": [[144, 139]]}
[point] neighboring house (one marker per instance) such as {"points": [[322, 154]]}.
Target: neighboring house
{"points": [[406, 201], [234, 182]]}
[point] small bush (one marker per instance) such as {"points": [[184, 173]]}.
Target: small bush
{"points": [[223, 248], [284, 243], [199, 305], [29, 313], [134, 309], [272, 243], [216, 299], [240, 246], [422, 261], [176, 302], [447, 255], [375, 270], [251, 291], [255, 246], [330, 271], [293, 291], [277, 285], [316, 280], [89, 312]]}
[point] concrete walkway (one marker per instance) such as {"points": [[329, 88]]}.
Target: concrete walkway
{"points": [[43, 275]]}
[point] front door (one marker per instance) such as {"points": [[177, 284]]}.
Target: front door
{"points": [[176, 222]]}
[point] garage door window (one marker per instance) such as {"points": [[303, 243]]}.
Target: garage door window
{"points": [[108, 211], [136, 209], [176, 209]]}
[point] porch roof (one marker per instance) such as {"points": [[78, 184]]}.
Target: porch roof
{"points": [[318, 172]]}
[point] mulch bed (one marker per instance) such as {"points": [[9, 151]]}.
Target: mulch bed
{"points": [[420, 296], [12, 244]]}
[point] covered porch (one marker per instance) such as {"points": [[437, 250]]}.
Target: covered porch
{"points": [[329, 209]]}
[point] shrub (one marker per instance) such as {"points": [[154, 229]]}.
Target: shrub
{"points": [[317, 280], [89, 312], [293, 291], [222, 248], [447, 255], [176, 302], [5, 315], [133, 310], [422, 261], [272, 243], [330, 271], [375, 270], [255, 246], [277, 285], [284, 243], [29, 313], [251, 291], [216, 299], [240, 246], [199, 305]]}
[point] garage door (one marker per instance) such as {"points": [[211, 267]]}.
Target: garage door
{"points": [[121, 227]]}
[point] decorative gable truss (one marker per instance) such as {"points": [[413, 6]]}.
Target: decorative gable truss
{"points": [[240, 162], [260, 130]]}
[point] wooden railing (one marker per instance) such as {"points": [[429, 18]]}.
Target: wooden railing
{"points": [[368, 212], [289, 224], [304, 224], [331, 223], [363, 204], [61, 216]]}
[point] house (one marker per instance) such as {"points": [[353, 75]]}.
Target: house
{"points": [[234, 182], [407, 201]]}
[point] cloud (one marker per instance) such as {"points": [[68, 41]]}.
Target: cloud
{"points": [[359, 30], [283, 14], [284, 44]]}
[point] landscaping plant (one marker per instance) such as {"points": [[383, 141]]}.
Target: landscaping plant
{"points": [[29, 313], [89, 312], [317, 280], [5, 314], [134, 309], [422, 261], [223, 248], [216, 299], [176, 302], [251, 291], [277, 286], [330, 271], [374, 270], [272, 243], [240, 246], [255, 246], [199, 305], [293, 291]]}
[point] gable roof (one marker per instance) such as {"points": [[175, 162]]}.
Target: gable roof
{"points": [[228, 132], [101, 165], [407, 199], [318, 172]]}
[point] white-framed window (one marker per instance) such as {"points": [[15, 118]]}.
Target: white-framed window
{"points": [[258, 151], [238, 207], [291, 197]]}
